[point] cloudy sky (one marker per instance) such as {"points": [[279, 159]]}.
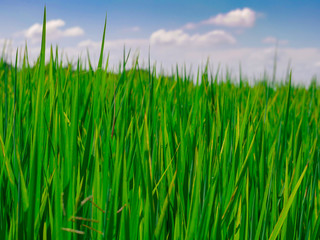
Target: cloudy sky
{"points": [[183, 32]]}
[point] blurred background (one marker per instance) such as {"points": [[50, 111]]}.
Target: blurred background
{"points": [[247, 35]]}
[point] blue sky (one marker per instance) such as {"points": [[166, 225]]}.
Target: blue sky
{"points": [[183, 32]]}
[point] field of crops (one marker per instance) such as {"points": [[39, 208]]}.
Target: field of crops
{"points": [[90, 154]]}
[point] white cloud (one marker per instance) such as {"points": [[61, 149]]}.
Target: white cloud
{"points": [[240, 18], [52, 25], [179, 37], [114, 44], [73, 32], [254, 61], [169, 48], [89, 44], [305, 62], [169, 37], [53, 30], [273, 40], [245, 17], [132, 43]]}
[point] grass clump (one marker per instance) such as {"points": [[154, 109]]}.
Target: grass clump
{"points": [[87, 154]]}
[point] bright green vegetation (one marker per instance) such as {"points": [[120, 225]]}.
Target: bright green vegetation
{"points": [[87, 154]]}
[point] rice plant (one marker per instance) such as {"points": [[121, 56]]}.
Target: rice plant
{"points": [[88, 153]]}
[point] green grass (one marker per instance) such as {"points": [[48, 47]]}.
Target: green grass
{"points": [[91, 154]]}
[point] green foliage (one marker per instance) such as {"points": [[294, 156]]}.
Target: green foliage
{"points": [[91, 154]]}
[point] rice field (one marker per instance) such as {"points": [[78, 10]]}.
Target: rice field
{"points": [[86, 153]]}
